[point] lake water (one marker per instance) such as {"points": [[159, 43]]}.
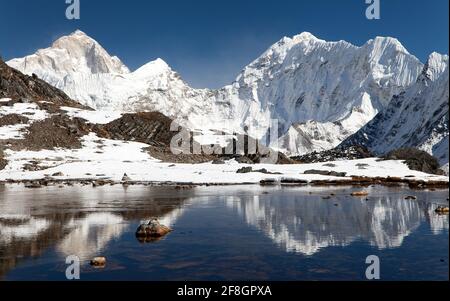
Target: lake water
{"points": [[223, 233]]}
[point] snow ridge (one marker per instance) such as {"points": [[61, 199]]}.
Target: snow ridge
{"points": [[416, 118], [320, 92]]}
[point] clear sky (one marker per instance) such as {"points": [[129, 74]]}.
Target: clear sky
{"points": [[209, 41]]}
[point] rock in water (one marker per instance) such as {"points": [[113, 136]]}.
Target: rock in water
{"points": [[152, 230], [360, 193], [98, 261], [442, 210]]}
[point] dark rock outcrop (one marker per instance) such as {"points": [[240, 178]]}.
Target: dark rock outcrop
{"points": [[339, 153], [150, 127], [13, 119], [3, 162], [325, 173], [416, 160]]}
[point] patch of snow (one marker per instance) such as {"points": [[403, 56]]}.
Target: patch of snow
{"points": [[102, 158], [17, 131], [94, 151], [29, 110], [94, 117]]}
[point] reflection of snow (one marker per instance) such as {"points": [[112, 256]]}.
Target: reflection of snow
{"points": [[438, 223], [393, 221], [306, 226], [171, 218], [91, 234], [28, 227]]}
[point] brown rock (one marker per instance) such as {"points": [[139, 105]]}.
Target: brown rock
{"points": [[152, 230], [360, 193], [98, 262]]}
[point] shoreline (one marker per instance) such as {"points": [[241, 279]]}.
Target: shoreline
{"points": [[353, 182]]}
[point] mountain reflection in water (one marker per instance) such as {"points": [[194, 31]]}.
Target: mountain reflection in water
{"points": [[76, 220], [306, 226], [85, 221]]}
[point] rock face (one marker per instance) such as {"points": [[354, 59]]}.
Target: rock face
{"points": [[416, 118], [151, 128], [340, 153], [13, 119], [320, 92]]}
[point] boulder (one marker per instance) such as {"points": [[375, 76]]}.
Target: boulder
{"points": [[152, 229], [245, 170], [218, 162], [325, 173], [98, 262], [442, 210], [268, 182]]}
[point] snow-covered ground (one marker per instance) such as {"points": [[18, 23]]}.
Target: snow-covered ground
{"points": [[95, 117], [110, 159], [28, 110]]}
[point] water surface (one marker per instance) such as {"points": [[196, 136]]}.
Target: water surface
{"points": [[223, 233]]}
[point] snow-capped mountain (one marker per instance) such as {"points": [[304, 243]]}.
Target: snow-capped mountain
{"points": [[320, 92], [79, 66], [416, 118], [69, 55]]}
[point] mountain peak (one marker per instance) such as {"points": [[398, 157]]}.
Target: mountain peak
{"points": [[76, 37], [436, 65], [79, 32], [387, 42], [304, 36], [152, 68], [74, 53]]}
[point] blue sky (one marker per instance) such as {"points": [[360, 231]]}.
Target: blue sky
{"points": [[209, 41]]}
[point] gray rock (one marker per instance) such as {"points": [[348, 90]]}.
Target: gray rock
{"points": [[245, 170]]}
